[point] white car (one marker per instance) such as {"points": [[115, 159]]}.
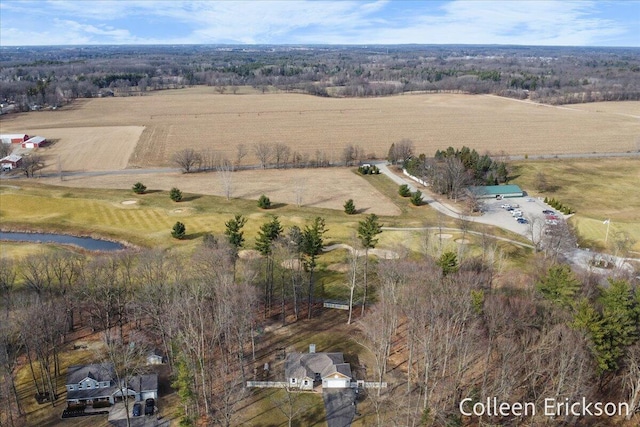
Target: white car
{"points": [[516, 213], [505, 206]]}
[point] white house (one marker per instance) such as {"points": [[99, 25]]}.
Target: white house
{"points": [[305, 370]]}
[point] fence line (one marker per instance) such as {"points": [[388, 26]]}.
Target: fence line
{"points": [[267, 384], [416, 179]]}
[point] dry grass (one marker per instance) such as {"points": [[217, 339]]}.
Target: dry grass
{"points": [[321, 188], [93, 148], [597, 189], [200, 118]]}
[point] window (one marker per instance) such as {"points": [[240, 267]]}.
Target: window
{"points": [[293, 380]]}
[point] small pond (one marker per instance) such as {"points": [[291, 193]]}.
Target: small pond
{"points": [[63, 239]]}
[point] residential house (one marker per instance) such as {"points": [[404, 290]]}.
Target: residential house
{"points": [[97, 383], [305, 370]]}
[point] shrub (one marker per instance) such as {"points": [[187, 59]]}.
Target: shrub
{"points": [[101, 404], [175, 194], [404, 190], [349, 207], [416, 198], [178, 231], [139, 188], [264, 202]]}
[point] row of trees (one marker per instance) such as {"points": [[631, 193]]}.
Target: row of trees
{"points": [[276, 155]]}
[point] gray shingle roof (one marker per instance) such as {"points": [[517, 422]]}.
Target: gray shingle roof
{"points": [[96, 371], [306, 365]]}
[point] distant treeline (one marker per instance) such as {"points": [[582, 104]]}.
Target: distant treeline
{"points": [[554, 75]]}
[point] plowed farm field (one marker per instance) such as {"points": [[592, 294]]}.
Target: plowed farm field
{"points": [[201, 119]]}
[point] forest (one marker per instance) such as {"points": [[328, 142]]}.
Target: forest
{"points": [[36, 77], [441, 327]]}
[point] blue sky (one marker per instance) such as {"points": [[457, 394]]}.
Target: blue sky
{"points": [[532, 22]]}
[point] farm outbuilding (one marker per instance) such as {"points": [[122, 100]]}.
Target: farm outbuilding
{"points": [[12, 161], [15, 138], [496, 191], [34, 142]]}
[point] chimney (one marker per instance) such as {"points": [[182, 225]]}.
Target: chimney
{"points": [[312, 348]]}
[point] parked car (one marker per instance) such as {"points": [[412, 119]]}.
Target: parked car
{"points": [[137, 409], [149, 406], [505, 205], [516, 213], [522, 220], [548, 212]]}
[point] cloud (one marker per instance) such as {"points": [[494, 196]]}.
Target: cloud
{"points": [[318, 22]]}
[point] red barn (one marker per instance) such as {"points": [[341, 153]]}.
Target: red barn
{"points": [[34, 142], [12, 161], [15, 138]]}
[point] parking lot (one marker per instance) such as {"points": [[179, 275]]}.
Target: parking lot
{"points": [[529, 208]]}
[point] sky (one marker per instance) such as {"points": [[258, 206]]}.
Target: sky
{"points": [[294, 22]]}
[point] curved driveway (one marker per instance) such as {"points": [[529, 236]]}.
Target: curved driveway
{"points": [[496, 216]]}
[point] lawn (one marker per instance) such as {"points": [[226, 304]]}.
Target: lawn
{"points": [[597, 189]]}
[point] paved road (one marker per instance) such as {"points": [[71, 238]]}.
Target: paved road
{"points": [[340, 406], [498, 217]]}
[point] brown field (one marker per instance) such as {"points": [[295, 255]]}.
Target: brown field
{"points": [[322, 188], [202, 119], [94, 148]]}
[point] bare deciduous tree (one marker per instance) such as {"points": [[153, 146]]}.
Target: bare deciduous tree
{"points": [[264, 153], [241, 153], [281, 153], [31, 164], [225, 174], [187, 159]]}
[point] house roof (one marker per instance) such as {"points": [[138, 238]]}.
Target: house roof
{"points": [[306, 365], [13, 158], [96, 371], [146, 382], [494, 190], [36, 139]]}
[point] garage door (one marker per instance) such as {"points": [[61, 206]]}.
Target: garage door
{"points": [[336, 383], [148, 394]]}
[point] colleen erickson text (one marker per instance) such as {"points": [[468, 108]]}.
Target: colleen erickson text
{"points": [[550, 407]]}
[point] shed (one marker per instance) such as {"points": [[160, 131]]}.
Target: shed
{"points": [[12, 161], [13, 138], [34, 142], [154, 357], [496, 191]]}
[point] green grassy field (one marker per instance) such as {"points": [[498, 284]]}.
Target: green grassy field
{"points": [[597, 189]]}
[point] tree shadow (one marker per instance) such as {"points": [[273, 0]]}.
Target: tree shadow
{"points": [[277, 205], [194, 236], [190, 198]]}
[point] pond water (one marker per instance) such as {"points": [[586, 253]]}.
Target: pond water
{"points": [[63, 239]]}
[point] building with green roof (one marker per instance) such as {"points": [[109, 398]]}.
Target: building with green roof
{"points": [[496, 191]]}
